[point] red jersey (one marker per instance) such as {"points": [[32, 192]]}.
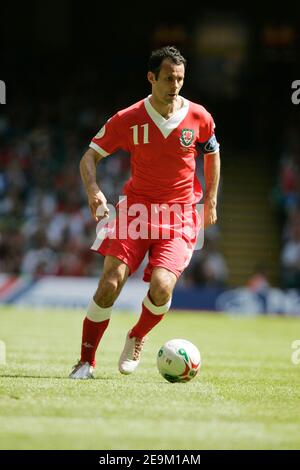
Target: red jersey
{"points": [[163, 151]]}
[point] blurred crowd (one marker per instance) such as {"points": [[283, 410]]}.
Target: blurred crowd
{"points": [[45, 223], [286, 195]]}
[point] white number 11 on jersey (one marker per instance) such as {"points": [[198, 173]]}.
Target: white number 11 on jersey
{"points": [[136, 134]]}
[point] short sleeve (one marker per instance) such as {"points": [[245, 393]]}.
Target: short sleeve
{"points": [[109, 138], [207, 138]]}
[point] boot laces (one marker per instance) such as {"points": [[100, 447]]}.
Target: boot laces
{"points": [[138, 345]]}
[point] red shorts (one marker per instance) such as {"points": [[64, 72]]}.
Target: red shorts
{"points": [[172, 253]]}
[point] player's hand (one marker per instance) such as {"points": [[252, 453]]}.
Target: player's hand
{"points": [[210, 212], [98, 205]]}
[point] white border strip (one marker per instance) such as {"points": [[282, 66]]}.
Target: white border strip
{"points": [[154, 308], [98, 149]]}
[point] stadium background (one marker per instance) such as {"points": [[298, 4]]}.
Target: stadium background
{"points": [[68, 68]]}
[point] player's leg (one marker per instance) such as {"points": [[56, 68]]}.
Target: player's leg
{"points": [[157, 302], [155, 305], [114, 276], [167, 260]]}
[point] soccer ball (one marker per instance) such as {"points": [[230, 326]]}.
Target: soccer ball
{"points": [[178, 360]]}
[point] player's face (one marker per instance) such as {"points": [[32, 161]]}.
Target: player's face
{"points": [[169, 82]]}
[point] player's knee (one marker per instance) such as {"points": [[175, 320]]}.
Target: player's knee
{"points": [[107, 292], [160, 293], [161, 286]]}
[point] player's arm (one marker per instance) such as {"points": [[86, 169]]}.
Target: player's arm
{"points": [[212, 178], [96, 198]]}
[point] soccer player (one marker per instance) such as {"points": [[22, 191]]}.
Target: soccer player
{"points": [[163, 133]]}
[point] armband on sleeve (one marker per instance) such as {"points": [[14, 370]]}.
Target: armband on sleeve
{"points": [[211, 146]]}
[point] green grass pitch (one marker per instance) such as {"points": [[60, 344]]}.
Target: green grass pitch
{"points": [[247, 395]]}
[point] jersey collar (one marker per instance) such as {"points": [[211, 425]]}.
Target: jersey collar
{"points": [[166, 126]]}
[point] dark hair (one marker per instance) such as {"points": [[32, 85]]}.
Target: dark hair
{"points": [[158, 56]]}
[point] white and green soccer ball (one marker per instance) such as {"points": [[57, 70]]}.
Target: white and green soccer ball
{"points": [[178, 360]]}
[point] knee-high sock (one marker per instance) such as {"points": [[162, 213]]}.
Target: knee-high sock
{"points": [[94, 326], [151, 315]]}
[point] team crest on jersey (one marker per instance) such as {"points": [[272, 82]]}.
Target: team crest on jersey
{"points": [[187, 137]]}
